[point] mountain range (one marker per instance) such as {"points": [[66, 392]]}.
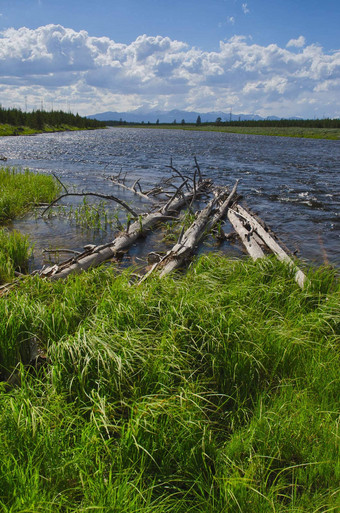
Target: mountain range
{"points": [[138, 116]]}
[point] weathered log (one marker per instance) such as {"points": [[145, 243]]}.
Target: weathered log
{"points": [[246, 236], [300, 277], [206, 220], [133, 189], [100, 254]]}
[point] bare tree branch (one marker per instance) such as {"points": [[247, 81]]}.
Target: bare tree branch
{"points": [[61, 183], [98, 195]]}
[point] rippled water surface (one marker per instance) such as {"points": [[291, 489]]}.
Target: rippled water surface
{"points": [[293, 184]]}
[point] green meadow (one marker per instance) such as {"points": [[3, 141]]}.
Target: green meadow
{"points": [[213, 391], [303, 132]]}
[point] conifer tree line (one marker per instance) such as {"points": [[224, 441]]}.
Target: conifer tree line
{"points": [[275, 123], [37, 119], [305, 123]]}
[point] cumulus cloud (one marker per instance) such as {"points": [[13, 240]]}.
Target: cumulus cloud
{"points": [[94, 74], [231, 20], [298, 43]]}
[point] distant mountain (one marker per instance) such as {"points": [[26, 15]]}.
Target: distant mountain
{"points": [[138, 116]]}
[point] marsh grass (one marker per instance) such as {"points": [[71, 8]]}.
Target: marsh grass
{"points": [[20, 191], [214, 391], [173, 229], [15, 251], [89, 216]]}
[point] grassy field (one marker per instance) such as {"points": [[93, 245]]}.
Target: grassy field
{"points": [[6, 129], [310, 133], [217, 391]]}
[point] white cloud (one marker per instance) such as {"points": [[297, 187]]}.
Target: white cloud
{"points": [[231, 20], [94, 74], [298, 43], [245, 9]]}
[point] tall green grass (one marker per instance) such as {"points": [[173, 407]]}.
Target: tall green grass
{"points": [[21, 190], [15, 251], [217, 391], [89, 216]]}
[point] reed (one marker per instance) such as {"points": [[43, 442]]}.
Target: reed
{"points": [[89, 216], [22, 190], [15, 252], [214, 391]]}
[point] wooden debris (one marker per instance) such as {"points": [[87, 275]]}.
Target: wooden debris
{"points": [[205, 221], [99, 254], [269, 240], [98, 195], [246, 236], [254, 234]]}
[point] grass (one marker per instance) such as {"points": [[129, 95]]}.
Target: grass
{"points": [[311, 133], [20, 191], [217, 391], [90, 216], [15, 251], [6, 129]]}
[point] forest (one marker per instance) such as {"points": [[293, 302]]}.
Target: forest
{"points": [[37, 119]]}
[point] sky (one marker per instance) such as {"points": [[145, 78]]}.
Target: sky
{"points": [[265, 57]]}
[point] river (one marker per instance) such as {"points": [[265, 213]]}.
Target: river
{"points": [[293, 184]]}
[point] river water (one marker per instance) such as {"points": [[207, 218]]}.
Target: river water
{"points": [[293, 184]]}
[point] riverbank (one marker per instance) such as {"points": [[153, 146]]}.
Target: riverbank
{"points": [[215, 390], [10, 130], [300, 132], [212, 391], [20, 191]]}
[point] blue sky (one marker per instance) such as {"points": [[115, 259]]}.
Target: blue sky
{"points": [[278, 57]]}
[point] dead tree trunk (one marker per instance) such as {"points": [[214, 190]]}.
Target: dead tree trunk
{"points": [[300, 277], [246, 236], [206, 220], [99, 254]]}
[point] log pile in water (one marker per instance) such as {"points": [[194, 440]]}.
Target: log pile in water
{"points": [[166, 201], [95, 255]]}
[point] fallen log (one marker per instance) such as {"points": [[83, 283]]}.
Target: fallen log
{"points": [[246, 236], [99, 254], [206, 220], [300, 277], [133, 189]]}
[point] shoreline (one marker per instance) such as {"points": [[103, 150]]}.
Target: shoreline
{"points": [[331, 134], [15, 131]]}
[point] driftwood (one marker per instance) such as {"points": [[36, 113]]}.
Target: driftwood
{"points": [[98, 195], [254, 234], [247, 236], [99, 254], [133, 189], [206, 220], [269, 240]]}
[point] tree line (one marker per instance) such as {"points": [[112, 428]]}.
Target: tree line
{"points": [[304, 123], [279, 123], [37, 119]]}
